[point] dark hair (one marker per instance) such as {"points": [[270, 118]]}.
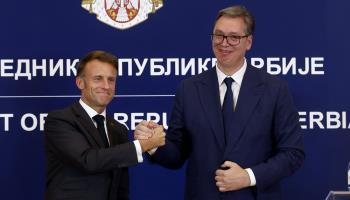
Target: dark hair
{"points": [[96, 55], [239, 11]]}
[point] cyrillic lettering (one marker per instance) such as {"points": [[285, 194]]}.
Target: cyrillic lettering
{"points": [[6, 64], [71, 67], [36, 67], [257, 62], [203, 65], [292, 65], [272, 68], [54, 67], [121, 66], [156, 69], [176, 65], [19, 73], [140, 67], [191, 64]]}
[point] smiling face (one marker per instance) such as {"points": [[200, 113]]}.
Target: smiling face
{"points": [[230, 58], [97, 84]]}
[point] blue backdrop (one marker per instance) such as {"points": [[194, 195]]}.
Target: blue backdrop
{"points": [[305, 42]]}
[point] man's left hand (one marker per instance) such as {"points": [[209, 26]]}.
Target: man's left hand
{"points": [[232, 177]]}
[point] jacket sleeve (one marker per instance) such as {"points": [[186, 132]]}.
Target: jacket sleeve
{"points": [[288, 141], [174, 154], [67, 140]]}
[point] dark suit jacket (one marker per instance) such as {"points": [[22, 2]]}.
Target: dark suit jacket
{"points": [[78, 166], [265, 135]]}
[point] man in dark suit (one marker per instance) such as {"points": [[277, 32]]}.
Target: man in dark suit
{"points": [[88, 156], [242, 136]]}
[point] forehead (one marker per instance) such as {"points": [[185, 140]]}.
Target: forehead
{"points": [[228, 25], [95, 67]]}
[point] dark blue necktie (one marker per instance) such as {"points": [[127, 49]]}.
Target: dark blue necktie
{"points": [[99, 119], [227, 107]]}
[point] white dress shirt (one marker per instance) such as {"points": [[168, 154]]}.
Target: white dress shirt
{"points": [[91, 112], [236, 86]]}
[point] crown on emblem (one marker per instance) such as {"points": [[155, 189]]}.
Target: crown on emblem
{"points": [[85, 2]]}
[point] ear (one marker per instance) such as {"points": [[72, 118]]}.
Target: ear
{"points": [[80, 83], [249, 42]]}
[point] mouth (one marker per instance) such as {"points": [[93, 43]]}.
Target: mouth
{"points": [[104, 93], [224, 51]]}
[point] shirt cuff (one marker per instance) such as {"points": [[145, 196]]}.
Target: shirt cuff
{"points": [[251, 177], [138, 151]]}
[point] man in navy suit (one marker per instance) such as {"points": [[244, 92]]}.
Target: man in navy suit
{"points": [[88, 153], [236, 125]]}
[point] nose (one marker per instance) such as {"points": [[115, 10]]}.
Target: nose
{"points": [[106, 84], [224, 41]]}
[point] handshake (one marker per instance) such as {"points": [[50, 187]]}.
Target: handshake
{"points": [[150, 135]]}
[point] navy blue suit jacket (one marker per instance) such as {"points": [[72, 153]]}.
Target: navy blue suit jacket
{"points": [[265, 136]]}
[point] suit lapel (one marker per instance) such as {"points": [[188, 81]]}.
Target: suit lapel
{"points": [[110, 130], [208, 89], [251, 90], [85, 121], [113, 133]]}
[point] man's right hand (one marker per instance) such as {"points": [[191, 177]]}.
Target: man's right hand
{"points": [[151, 136], [144, 130]]}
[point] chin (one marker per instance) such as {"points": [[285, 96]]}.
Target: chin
{"points": [[103, 102]]}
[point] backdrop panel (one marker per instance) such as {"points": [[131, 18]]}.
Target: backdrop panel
{"points": [[305, 42]]}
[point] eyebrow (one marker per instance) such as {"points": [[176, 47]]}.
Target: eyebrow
{"points": [[101, 76], [230, 33]]}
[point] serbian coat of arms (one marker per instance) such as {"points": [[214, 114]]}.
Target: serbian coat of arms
{"points": [[122, 14]]}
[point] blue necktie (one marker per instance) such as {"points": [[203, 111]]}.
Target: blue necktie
{"points": [[227, 108], [99, 119]]}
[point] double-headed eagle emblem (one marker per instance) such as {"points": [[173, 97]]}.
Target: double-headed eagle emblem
{"points": [[122, 14]]}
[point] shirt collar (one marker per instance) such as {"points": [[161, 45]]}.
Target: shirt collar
{"points": [[90, 111], [238, 76]]}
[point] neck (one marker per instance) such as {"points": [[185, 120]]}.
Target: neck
{"points": [[230, 70], [98, 109]]}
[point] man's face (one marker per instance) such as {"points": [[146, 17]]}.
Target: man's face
{"points": [[97, 84], [228, 56]]}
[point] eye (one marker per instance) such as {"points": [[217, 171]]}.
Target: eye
{"points": [[97, 78], [111, 79], [234, 37]]}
